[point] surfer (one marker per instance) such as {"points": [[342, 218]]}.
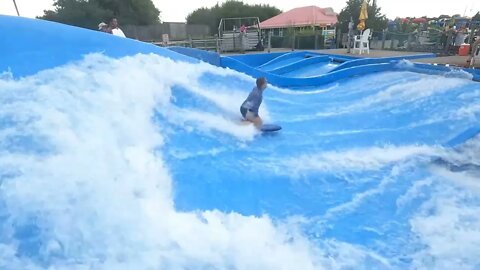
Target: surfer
{"points": [[250, 106]]}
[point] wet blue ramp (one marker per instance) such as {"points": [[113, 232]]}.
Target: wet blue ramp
{"points": [[31, 45], [463, 137]]}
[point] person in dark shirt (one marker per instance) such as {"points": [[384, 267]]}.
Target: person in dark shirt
{"points": [[250, 106]]}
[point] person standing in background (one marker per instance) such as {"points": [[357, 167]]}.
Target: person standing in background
{"points": [[115, 29], [243, 29], [461, 35], [243, 38]]}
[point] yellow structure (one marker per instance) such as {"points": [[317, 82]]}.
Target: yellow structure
{"points": [[363, 15]]}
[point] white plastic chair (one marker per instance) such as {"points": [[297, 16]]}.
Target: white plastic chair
{"points": [[361, 43]]}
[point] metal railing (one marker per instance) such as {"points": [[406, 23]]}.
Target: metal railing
{"points": [[208, 44], [226, 44], [430, 40]]}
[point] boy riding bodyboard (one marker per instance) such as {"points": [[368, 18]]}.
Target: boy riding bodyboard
{"points": [[250, 106]]}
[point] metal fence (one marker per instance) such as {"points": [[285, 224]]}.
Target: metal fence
{"points": [[208, 44], [175, 31], [232, 43], [432, 40], [422, 41], [306, 42]]}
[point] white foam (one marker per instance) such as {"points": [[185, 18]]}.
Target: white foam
{"points": [[413, 192], [405, 64], [359, 198], [468, 156], [468, 111], [470, 95], [209, 121], [370, 158], [399, 94], [188, 154], [448, 225], [409, 92]]}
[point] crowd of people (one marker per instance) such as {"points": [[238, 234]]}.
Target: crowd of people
{"points": [[452, 38], [111, 28]]}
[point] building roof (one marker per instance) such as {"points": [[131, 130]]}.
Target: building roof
{"points": [[302, 16]]}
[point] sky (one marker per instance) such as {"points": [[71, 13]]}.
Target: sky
{"points": [[176, 11]]}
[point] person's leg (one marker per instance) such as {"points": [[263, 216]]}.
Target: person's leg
{"points": [[255, 119], [258, 122]]}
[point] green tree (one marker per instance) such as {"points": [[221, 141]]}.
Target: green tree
{"points": [[88, 13], [230, 9], [136, 12], [205, 16], [476, 17], [376, 20]]}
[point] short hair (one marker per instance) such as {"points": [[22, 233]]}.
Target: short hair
{"points": [[261, 81]]}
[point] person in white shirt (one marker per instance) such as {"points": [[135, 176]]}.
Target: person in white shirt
{"points": [[114, 27]]}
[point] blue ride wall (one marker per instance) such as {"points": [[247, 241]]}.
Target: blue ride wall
{"points": [[28, 46]]}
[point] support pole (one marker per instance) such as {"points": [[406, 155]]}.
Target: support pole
{"points": [[350, 33], [384, 36], [293, 40], [269, 40], [16, 8]]}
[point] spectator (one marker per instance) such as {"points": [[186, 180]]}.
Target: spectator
{"points": [[460, 37], [243, 29], [243, 38], [115, 29], [443, 39]]}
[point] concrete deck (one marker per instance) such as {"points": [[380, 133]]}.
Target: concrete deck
{"points": [[455, 60], [459, 61]]}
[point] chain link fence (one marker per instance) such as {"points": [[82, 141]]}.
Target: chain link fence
{"points": [[308, 42], [430, 40], [175, 31], [311, 40]]}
